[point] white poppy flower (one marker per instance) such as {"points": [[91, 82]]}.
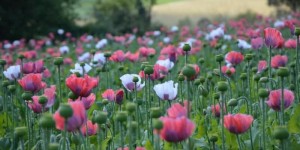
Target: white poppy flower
{"points": [[64, 49], [167, 90], [60, 31], [166, 63], [78, 68], [84, 57], [12, 72], [129, 84]]}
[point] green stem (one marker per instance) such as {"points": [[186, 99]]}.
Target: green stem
{"points": [[59, 84], [239, 142], [99, 137], [297, 69], [222, 121], [122, 138], [270, 69], [282, 102], [263, 124]]}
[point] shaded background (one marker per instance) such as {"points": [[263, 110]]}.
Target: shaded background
{"points": [[33, 18]]}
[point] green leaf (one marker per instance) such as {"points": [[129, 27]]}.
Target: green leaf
{"points": [[149, 145], [167, 146], [294, 124], [105, 142]]}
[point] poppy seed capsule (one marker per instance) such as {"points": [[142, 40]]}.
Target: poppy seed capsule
{"points": [[280, 133], [148, 70], [157, 124], [263, 79], [222, 86], [216, 95], [20, 131], [186, 47], [263, 93], [188, 71], [283, 72], [47, 121], [197, 82], [232, 102], [107, 55], [21, 56], [82, 64], [248, 57], [297, 31], [100, 117], [155, 112], [11, 88], [293, 64], [130, 107], [132, 125], [75, 139], [121, 68], [209, 76], [180, 77], [105, 101], [135, 79], [243, 76], [254, 69], [201, 60], [292, 87], [202, 79], [93, 52], [65, 111], [58, 61], [5, 83], [213, 138], [27, 96], [72, 96], [2, 62], [219, 58], [121, 116], [43, 100], [53, 146]]}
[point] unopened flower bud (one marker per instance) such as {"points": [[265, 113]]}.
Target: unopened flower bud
{"points": [[197, 82], [256, 77], [283, 72], [263, 80], [232, 102], [72, 96], [222, 86], [248, 57], [219, 58], [155, 112], [107, 55], [186, 47], [216, 95], [21, 56], [20, 132], [121, 116], [148, 70], [243, 76], [27, 96], [65, 110], [47, 121], [132, 125], [181, 77], [130, 107], [2, 62], [53, 146], [100, 117], [297, 32], [58, 61], [263, 93], [280, 133], [11, 88], [213, 138], [75, 139], [135, 79], [292, 87], [43, 100], [201, 60], [188, 71], [157, 124]]}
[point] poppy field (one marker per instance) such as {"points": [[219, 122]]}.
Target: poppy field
{"points": [[215, 86]]}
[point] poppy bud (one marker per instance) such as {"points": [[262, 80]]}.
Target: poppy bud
{"points": [[107, 55], [248, 57], [188, 71], [186, 47], [293, 64], [82, 64], [201, 60], [98, 70], [219, 58], [197, 82], [43, 100], [232, 102], [75, 139], [139, 101], [283, 72], [53, 146], [292, 87], [72, 96], [21, 56], [94, 62], [20, 131], [135, 79], [263, 79], [5, 83], [2, 62], [297, 31], [11, 88], [254, 69], [133, 125], [47, 121], [157, 124], [100, 117], [148, 70], [280, 133], [130, 107], [180, 77], [58, 61], [121, 68], [222, 86], [77, 74], [93, 52], [155, 112], [256, 77], [209, 76], [202, 79], [216, 95], [263, 93], [228, 72], [27, 96], [65, 111], [243, 76], [213, 138], [204, 92], [105, 101], [121, 116]]}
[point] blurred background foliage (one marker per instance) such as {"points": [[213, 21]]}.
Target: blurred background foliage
{"points": [[29, 18]]}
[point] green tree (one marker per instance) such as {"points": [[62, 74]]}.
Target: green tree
{"points": [[293, 4], [27, 18]]}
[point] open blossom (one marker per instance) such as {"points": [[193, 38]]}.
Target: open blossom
{"points": [[216, 110], [237, 123], [290, 43], [84, 57], [87, 101], [33, 67], [49, 93], [274, 100], [145, 51], [242, 44], [79, 69], [262, 65], [129, 84], [279, 61], [234, 58], [177, 110], [224, 70], [32, 82], [176, 129], [64, 49], [133, 57], [81, 86], [257, 43], [167, 90], [117, 56], [166, 63], [91, 128], [73, 123], [13, 72], [159, 72], [273, 37], [113, 96]]}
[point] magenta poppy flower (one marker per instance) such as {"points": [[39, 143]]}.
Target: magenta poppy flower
{"points": [[177, 110], [145, 51], [290, 43], [273, 37], [117, 56], [32, 82], [133, 57], [257, 43], [224, 69], [274, 101], [279, 61], [113, 96], [237, 123], [176, 129], [234, 58], [81, 86], [262, 65], [91, 128], [75, 122], [36, 107], [87, 101], [33, 67]]}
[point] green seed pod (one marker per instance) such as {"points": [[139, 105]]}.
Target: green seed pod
{"points": [[121, 116], [100, 117], [131, 107], [58, 61], [20, 132], [47, 121], [232, 102], [65, 110], [254, 69], [105, 101], [219, 58], [121, 68], [75, 139], [248, 57], [222, 86], [186, 47], [21, 56], [107, 55], [293, 64], [283, 72], [213, 138], [243, 76], [5, 83], [11, 88], [297, 31], [155, 112], [135, 79], [209, 76], [201, 60], [280, 133], [27, 96], [180, 77], [204, 92], [263, 80], [72, 96], [256, 77], [93, 52], [188, 71], [216, 95], [2, 62], [132, 125], [202, 79], [157, 124], [43, 100], [263, 93], [148, 70], [292, 87], [53, 146], [197, 82]]}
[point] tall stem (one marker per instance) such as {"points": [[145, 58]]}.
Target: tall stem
{"points": [[282, 102], [270, 69], [239, 142], [59, 85], [297, 69], [263, 124], [222, 121]]}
